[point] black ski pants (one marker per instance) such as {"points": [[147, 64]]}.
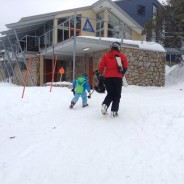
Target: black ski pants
{"points": [[113, 86]]}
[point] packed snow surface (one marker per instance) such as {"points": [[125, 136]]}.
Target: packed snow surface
{"points": [[42, 141]]}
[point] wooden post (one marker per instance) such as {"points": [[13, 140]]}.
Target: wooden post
{"points": [[53, 73], [26, 75]]}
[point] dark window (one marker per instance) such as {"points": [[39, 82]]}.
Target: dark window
{"points": [[114, 30], [140, 10], [100, 24], [154, 11], [22, 66]]}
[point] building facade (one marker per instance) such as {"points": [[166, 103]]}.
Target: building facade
{"points": [[141, 11], [144, 11], [72, 39]]}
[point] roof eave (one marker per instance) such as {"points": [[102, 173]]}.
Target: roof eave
{"points": [[29, 22]]}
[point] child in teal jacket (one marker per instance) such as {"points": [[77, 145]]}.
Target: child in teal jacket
{"points": [[80, 86]]}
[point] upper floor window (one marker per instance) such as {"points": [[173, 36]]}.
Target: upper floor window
{"points": [[68, 22], [114, 27], [66, 27], [154, 11], [100, 24], [127, 32], [141, 10]]}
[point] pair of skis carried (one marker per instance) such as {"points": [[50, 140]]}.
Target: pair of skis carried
{"points": [[125, 83]]}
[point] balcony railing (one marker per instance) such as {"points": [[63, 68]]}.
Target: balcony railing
{"points": [[65, 30]]}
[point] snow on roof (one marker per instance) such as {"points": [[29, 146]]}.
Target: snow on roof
{"points": [[144, 45]]}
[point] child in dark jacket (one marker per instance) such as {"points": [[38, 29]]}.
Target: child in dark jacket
{"points": [[80, 86]]}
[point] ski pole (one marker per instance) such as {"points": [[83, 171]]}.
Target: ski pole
{"points": [[89, 96], [92, 92]]}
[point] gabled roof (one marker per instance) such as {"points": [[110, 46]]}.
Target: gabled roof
{"points": [[26, 21], [32, 22], [115, 9]]}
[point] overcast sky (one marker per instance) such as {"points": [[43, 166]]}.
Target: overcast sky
{"points": [[13, 10]]}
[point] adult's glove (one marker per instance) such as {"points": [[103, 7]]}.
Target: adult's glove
{"points": [[99, 75], [73, 91], [122, 70]]}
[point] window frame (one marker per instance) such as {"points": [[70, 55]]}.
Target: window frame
{"points": [[141, 10]]}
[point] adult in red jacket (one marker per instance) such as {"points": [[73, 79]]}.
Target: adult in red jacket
{"points": [[113, 74]]}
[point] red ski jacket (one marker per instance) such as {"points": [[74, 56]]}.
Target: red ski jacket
{"points": [[109, 64]]}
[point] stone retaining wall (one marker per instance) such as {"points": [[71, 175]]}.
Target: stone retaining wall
{"points": [[2, 74], [34, 70], [146, 68]]}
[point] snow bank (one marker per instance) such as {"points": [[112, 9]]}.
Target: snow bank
{"points": [[174, 74]]}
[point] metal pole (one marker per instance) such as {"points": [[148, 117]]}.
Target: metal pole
{"points": [[26, 76], [74, 46], [100, 35], [23, 56], [9, 61], [16, 60], [63, 35], [69, 25], [26, 42], [53, 72], [53, 42], [6, 69], [39, 44], [170, 60], [1, 71], [122, 32]]}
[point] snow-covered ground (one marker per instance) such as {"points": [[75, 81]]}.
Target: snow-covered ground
{"points": [[42, 141]]}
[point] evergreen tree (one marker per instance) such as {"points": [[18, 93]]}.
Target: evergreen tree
{"points": [[168, 25]]}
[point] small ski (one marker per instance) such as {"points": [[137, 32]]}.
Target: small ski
{"points": [[125, 83]]}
